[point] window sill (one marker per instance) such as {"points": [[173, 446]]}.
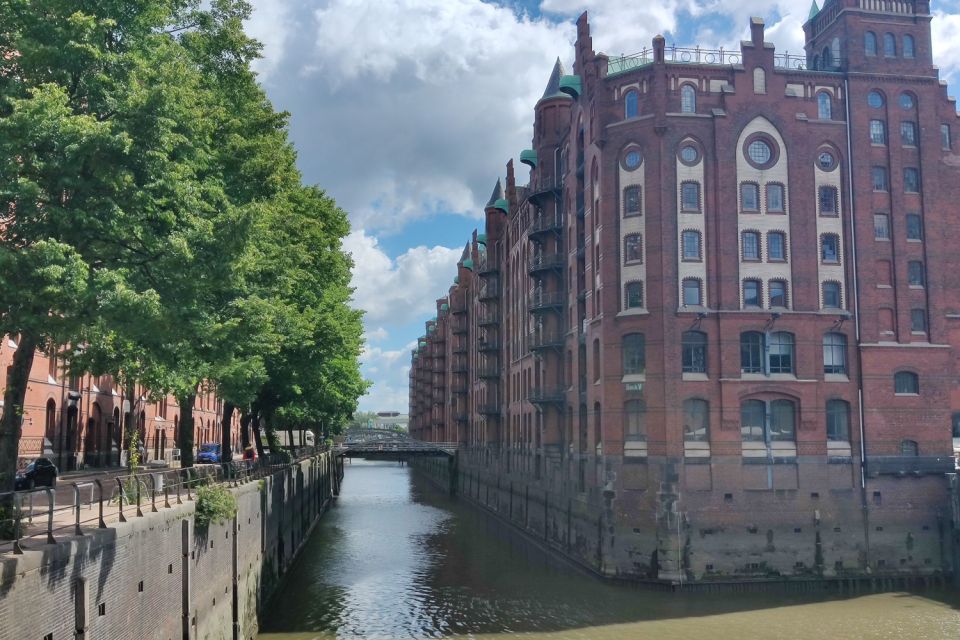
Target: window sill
{"points": [[907, 395], [835, 377], [771, 376], [632, 377], [884, 286], [633, 311], [694, 377], [918, 287]]}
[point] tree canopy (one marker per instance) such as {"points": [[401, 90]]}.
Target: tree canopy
{"points": [[153, 218]]}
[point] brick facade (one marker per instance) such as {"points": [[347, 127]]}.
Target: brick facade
{"points": [[719, 326]]}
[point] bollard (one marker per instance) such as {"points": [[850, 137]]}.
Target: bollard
{"points": [[103, 525], [76, 508]]}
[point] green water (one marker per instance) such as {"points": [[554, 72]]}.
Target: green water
{"points": [[397, 559]]}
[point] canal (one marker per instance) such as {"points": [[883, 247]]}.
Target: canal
{"points": [[396, 558]]}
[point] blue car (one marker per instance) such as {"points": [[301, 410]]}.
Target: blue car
{"points": [[209, 453]]}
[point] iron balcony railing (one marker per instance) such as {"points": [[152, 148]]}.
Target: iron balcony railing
{"points": [[489, 373], [547, 395], [458, 307], [488, 319], [490, 344], [488, 409], [546, 300], [459, 390], [547, 262], [459, 349], [545, 224], [459, 328], [487, 266], [545, 340], [695, 55]]}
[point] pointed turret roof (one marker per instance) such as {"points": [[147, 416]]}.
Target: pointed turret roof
{"points": [[814, 10], [553, 84], [496, 195]]}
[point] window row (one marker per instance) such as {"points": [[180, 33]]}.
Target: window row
{"points": [[753, 293], [881, 179], [688, 101], [908, 132], [750, 198], [881, 226], [760, 420], [908, 48], [751, 251]]}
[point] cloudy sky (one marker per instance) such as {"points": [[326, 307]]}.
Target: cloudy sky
{"points": [[406, 112]]}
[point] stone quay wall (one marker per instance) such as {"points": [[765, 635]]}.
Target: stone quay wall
{"points": [[160, 576], [641, 529]]}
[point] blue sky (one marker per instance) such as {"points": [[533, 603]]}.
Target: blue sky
{"points": [[407, 111]]}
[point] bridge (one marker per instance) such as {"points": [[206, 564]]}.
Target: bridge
{"points": [[379, 444]]}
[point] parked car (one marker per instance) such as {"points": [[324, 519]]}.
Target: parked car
{"points": [[209, 453], [39, 473]]}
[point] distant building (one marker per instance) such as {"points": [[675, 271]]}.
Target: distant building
{"points": [[716, 336], [391, 420]]}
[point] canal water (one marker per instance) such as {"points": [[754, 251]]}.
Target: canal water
{"points": [[396, 558]]}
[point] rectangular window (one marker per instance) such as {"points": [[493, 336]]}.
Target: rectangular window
{"points": [[827, 197], [918, 320], [835, 353], [778, 293], [751, 293], [879, 178], [775, 198], [911, 180], [749, 197], [831, 295], [881, 226], [780, 352], [830, 248], [691, 292], [691, 245], [690, 196], [632, 249], [776, 246], [946, 142], [908, 133], [751, 245], [914, 228], [631, 201], [878, 133], [915, 273]]}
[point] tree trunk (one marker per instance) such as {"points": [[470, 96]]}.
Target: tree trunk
{"points": [[256, 434], [186, 428], [292, 444], [226, 424], [245, 430], [13, 397]]}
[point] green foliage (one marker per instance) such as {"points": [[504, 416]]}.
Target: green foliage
{"points": [[214, 504]]}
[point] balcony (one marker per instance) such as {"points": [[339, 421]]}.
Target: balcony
{"points": [[489, 345], [546, 301], [547, 262], [548, 187], [487, 266], [490, 410], [458, 307], [547, 395], [459, 368], [488, 319], [459, 328], [489, 373], [490, 291], [459, 349], [540, 340], [545, 224], [459, 390], [695, 55], [461, 417]]}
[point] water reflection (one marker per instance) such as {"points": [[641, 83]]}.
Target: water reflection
{"points": [[398, 559]]}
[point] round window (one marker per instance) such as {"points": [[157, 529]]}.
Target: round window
{"points": [[825, 160], [689, 154], [759, 152], [906, 101], [875, 99], [632, 160]]}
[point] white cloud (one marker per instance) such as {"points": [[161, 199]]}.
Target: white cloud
{"points": [[946, 44], [389, 371], [402, 290]]}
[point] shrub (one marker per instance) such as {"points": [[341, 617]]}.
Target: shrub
{"points": [[214, 504]]}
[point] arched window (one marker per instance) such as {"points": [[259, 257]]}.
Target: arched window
{"points": [[696, 420], [688, 99], [752, 420], [906, 382], [780, 352], [835, 353], [633, 295], [634, 354], [694, 346], [762, 421], [631, 104], [596, 360], [838, 420], [909, 50], [783, 417], [889, 45], [634, 419], [824, 106], [50, 421], [870, 43], [909, 448], [751, 352], [827, 58]]}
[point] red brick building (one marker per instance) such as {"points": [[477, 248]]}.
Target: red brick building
{"points": [[76, 421], [716, 335]]}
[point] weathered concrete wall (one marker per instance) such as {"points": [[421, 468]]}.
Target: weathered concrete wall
{"points": [[159, 576], [666, 522]]}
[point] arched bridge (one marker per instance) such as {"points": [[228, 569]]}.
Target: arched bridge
{"points": [[376, 444]]}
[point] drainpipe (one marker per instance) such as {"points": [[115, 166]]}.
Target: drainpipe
{"points": [[856, 324]]}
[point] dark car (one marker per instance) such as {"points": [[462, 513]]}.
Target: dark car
{"points": [[39, 473], [209, 453]]}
